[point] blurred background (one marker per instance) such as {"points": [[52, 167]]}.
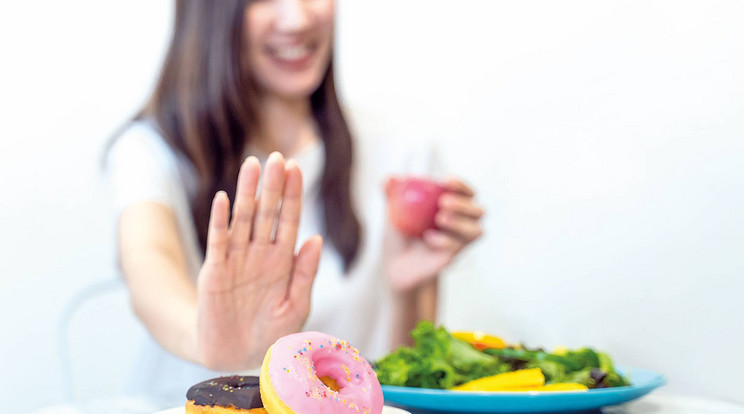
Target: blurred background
{"points": [[606, 140]]}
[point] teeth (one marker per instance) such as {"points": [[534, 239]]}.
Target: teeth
{"points": [[292, 52]]}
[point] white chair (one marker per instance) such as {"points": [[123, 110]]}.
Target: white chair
{"points": [[99, 338]]}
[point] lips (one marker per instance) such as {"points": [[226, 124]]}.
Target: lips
{"points": [[292, 57]]}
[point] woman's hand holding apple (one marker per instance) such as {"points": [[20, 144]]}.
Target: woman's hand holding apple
{"points": [[433, 223]]}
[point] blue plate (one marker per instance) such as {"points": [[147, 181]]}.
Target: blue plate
{"points": [[643, 381]]}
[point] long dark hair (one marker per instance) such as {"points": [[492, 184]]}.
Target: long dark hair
{"points": [[205, 106]]}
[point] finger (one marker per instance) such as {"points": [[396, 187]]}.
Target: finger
{"points": [[304, 271], [455, 185], [271, 193], [390, 183], [217, 232], [289, 214], [463, 227], [442, 241], [460, 204], [245, 204]]}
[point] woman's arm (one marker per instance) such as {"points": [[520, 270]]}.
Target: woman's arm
{"points": [[411, 307], [252, 288], [427, 301], [154, 264]]}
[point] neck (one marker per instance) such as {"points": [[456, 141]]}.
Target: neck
{"points": [[287, 125]]}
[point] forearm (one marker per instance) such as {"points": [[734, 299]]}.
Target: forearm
{"points": [[428, 300], [410, 307], [164, 299], [161, 291]]}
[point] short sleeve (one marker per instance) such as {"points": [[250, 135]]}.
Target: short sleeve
{"points": [[141, 167], [394, 149], [421, 158]]}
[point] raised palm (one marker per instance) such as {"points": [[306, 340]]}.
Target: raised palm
{"points": [[253, 288]]}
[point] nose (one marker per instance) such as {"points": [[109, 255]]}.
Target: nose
{"points": [[292, 15]]}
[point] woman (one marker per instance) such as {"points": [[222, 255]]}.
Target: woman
{"points": [[216, 284]]}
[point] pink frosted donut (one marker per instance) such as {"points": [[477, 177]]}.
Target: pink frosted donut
{"points": [[296, 366]]}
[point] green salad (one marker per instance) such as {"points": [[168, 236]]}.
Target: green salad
{"points": [[441, 361]]}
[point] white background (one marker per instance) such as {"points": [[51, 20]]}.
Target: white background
{"points": [[606, 140]]}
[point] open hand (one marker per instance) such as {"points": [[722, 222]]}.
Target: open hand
{"points": [[253, 288]]}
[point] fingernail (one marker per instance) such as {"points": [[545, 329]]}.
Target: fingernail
{"points": [[250, 161], [276, 155]]}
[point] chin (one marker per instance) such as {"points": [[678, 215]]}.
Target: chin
{"points": [[295, 89], [298, 83]]}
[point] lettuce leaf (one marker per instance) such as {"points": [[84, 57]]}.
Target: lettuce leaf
{"points": [[437, 360]]}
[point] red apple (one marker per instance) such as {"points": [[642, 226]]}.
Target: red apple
{"points": [[413, 204]]}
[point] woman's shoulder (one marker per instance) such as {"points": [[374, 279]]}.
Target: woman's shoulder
{"points": [[141, 166], [393, 147], [140, 155], [141, 140]]}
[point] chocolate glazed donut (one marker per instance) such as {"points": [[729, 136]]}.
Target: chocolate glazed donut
{"points": [[235, 394]]}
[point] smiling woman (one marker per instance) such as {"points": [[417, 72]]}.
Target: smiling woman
{"points": [[227, 77], [215, 282]]}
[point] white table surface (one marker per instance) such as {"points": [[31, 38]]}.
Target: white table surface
{"points": [[650, 404], [675, 404]]}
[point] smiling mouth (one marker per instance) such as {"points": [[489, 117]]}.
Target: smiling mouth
{"points": [[292, 53]]}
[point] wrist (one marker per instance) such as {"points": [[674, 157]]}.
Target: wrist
{"points": [[402, 296], [403, 284]]}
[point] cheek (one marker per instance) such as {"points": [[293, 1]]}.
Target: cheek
{"points": [[326, 12], [257, 24]]}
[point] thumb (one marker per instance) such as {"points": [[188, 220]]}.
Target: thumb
{"points": [[304, 270], [390, 185]]}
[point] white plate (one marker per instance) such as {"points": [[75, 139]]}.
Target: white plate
{"points": [[385, 410]]}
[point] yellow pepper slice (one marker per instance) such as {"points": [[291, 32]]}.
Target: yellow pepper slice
{"points": [[558, 387], [561, 386], [509, 380], [560, 350], [480, 340]]}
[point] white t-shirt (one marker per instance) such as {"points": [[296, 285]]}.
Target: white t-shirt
{"points": [[354, 306]]}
